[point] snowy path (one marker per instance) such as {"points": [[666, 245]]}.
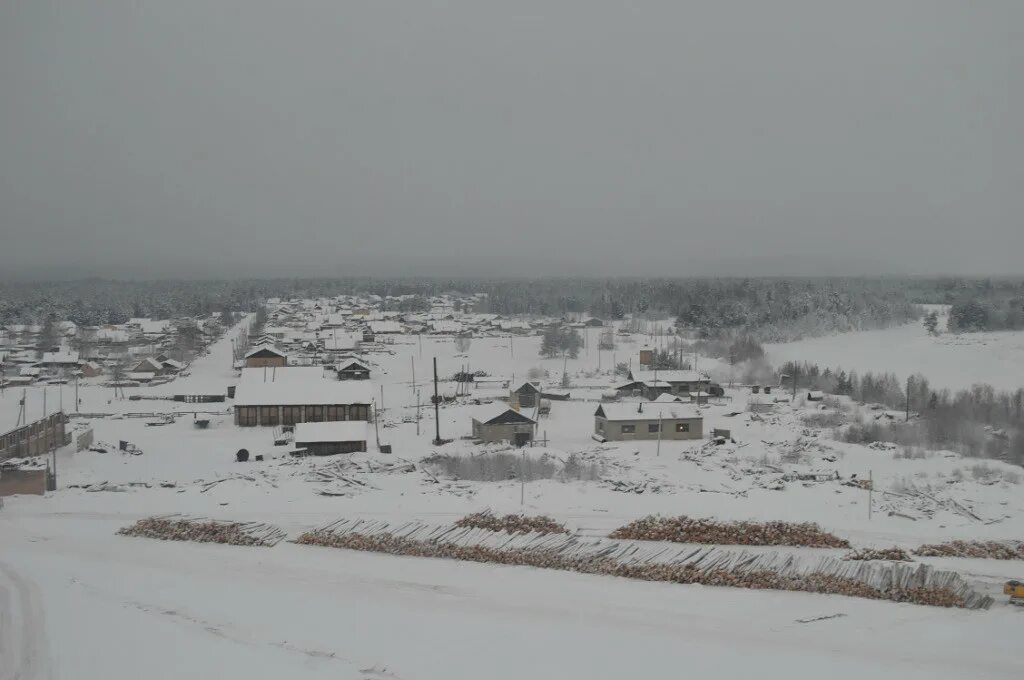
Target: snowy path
{"points": [[23, 654], [129, 608]]}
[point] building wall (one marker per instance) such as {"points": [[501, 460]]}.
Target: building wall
{"points": [[266, 362], [34, 439], [501, 432], [331, 448], [14, 482], [612, 430], [283, 415]]}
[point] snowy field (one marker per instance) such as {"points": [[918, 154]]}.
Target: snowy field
{"points": [[952, 361], [78, 601]]}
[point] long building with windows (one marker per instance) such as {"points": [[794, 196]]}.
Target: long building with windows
{"points": [[288, 396]]}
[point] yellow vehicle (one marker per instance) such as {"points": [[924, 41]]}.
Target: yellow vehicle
{"points": [[1015, 589]]}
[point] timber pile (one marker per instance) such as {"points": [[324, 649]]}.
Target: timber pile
{"points": [[685, 529], [892, 554], [512, 524], [892, 581], [994, 550], [201, 530]]}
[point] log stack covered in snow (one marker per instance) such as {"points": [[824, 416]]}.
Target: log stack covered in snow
{"points": [[512, 524], [180, 528], [996, 550], [893, 581], [685, 529]]}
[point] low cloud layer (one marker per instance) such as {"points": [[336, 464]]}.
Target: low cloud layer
{"points": [[156, 139]]}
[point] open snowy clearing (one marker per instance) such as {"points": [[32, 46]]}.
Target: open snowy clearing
{"points": [[953, 361]]}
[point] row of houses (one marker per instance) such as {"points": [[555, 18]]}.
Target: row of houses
{"points": [[612, 422]]}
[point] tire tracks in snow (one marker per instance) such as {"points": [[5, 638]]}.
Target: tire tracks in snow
{"points": [[23, 642]]}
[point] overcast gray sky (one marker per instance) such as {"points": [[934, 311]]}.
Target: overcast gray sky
{"points": [[250, 138]]}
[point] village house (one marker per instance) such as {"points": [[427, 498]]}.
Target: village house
{"points": [[330, 438], [265, 356], [679, 381], [623, 422], [499, 423], [148, 365], [62, 360], [647, 389], [353, 370], [286, 396], [526, 395], [90, 369]]}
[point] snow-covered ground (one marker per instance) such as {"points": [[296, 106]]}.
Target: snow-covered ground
{"points": [[78, 601], [949, 360]]}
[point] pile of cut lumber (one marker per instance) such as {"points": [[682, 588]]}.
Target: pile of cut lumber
{"points": [[685, 529], [201, 530], [512, 524], [892, 554], [995, 550], [714, 566]]}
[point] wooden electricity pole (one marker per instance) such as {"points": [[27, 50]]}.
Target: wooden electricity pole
{"points": [[437, 409]]}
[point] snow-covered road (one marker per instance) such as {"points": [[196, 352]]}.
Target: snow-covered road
{"points": [[23, 634]]}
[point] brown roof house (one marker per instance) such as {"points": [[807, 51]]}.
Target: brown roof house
{"points": [[265, 356]]}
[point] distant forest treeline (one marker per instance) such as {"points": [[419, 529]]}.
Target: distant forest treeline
{"points": [[976, 305], [770, 309]]}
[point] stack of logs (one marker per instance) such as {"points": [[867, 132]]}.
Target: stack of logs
{"points": [[707, 566], [996, 550], [512, 524], [685, 529], [180, 528], [893, 554]]}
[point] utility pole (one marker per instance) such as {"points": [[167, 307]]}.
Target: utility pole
{"points": [[437, 409], [658, 450], [796, 372], [381, 397], [76, 394], [417, 413], [909, 381], [522, 481], [413, 360], [376, 430]]}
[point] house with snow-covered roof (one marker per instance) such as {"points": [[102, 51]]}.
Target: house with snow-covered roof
{"points": [[651, 420]]}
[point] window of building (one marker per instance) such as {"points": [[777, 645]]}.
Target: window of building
{"points": [[247, 416], [600, 426], [268, 415], [358, 412], [335, 413], [291, 415], [314, 414], [628, 429], [653, 427], [682, 427]]}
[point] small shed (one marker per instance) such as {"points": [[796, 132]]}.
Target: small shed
{"points": [[501, 423], [527, 394], [815, 395], [330, 438]]}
